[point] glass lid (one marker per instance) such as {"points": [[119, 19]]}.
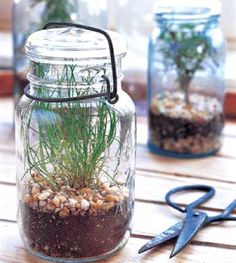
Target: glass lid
{"points": [[72, 45]]}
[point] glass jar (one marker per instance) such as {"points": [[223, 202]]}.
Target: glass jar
{"points": [[186, 79], [75, 147]]}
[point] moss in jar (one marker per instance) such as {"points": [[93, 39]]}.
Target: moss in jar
{"points": [[73, 204]]}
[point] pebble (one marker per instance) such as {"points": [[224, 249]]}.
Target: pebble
{"points": [[50, 206], [114, 189], [121, 181], [57, 210], [56, 201], [103, 193], [44, 195], [42, 203], [97, 195], [35, 190], [64, 212], [67, 204], [27, 198], [193, 144], [112, 198], [99, 203], [85, 191], [72, 202], [85, 204], [78, 205], [170, 105], [62, 198], [173, 105], [125, 192], [107, 206], [36, 196], [106, 186]]}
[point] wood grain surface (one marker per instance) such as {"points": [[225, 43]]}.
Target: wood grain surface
{"points": [[155, 176]]}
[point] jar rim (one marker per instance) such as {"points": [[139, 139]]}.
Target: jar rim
{"points": [[187, 10], [70, 45]]}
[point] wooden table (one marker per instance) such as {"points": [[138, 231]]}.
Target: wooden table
{"points": [[155, 176]]}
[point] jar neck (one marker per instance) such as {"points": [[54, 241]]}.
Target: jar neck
{"points": [[180, 21], [68, 80]]}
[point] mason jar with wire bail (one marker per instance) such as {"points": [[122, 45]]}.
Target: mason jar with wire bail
{"points": [[75, 144], [186, 79]]}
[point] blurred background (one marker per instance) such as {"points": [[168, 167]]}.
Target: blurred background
{"points": [[133, 18]]}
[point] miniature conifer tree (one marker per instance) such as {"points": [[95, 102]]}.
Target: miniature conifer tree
{"points": [[187, 50]]}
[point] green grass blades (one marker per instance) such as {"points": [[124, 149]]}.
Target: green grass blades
{"points": [[68, 143]]}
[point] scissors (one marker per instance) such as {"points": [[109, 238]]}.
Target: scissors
{"points": [[193, 222]]}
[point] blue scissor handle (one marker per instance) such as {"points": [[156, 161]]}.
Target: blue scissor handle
{"points": [[225, 215], [210, 191]]}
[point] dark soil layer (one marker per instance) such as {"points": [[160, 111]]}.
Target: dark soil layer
{"points": [[164, 127], [76, 235], [177, 128]]}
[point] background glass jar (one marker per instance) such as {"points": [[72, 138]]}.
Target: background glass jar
{"points": [[75, 172], [186, 79]]}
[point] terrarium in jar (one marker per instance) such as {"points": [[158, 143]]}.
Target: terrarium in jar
{"points": [[186, 79], [75, 137]]}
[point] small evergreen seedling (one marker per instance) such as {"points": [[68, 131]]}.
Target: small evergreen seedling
{"points": [[186, 50]]}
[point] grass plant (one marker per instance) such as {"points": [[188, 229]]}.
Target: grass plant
{"points": [[68, 142]]}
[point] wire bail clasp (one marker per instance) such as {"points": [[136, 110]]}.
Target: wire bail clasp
{"points": [[111, 95]]}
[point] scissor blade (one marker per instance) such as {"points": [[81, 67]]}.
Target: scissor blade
{"points": [[192, 224], [168, 234]]}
